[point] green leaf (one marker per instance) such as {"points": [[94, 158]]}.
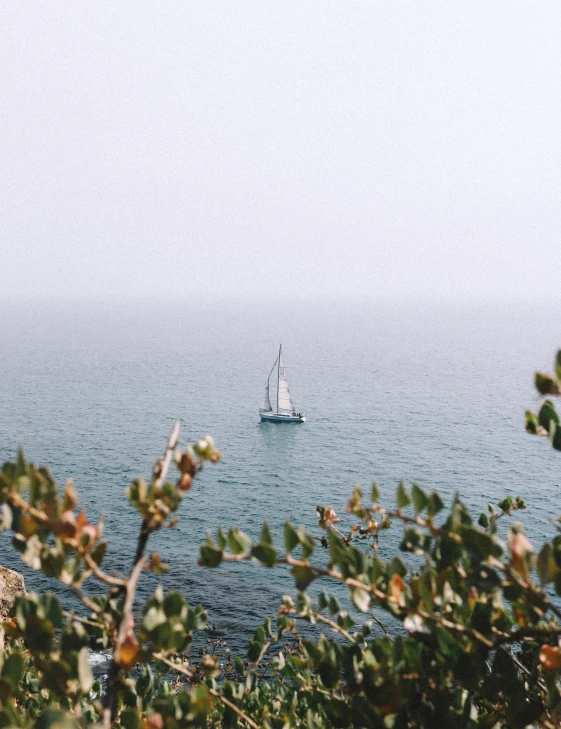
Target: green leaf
{"points": [[174, 603], [302, 576], [221, 538], [291, 540], [254, 650], [154, 617], [355, 501], [6, 689], [85, 675], [375, 495], [483, 521], [13, 668], [38, 634], [334, 605], [397, 566], [307, 543], [20, 463], [130, 719], [546, 385], [532, 422], [145, 683], [506, 504], [266, 537], [546, 566], [201, 702], [547, 415], [419, 498], [481, 543], [210, 556], [558, 364], [238, 542], [435, 503], [260, 635], [415, 541], [402, 498], [555, 436], [55, 719], [98, 552], [265, 554], [361, 599], [52, 609]]}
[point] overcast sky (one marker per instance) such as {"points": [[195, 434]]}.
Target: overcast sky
{"points": [[280, 148]]}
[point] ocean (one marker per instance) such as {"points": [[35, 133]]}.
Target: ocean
{"points": [[430, 392]]}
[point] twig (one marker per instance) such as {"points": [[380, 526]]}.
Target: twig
{"points": [[100, 574], [124, 625], [265, 648], [262, 676], [86, 601], [334, 626], [212, 692], [423, 523], [80, 619], [145, 530], [381, 624], [172, 442], [519, 636]]}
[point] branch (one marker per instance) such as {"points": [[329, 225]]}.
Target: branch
{"points": [[334, 626], [381, 624], [129, 587], [172, 442], [518, 636], [145, 530], [427, 524], [212, 692], [525, 585], [124, 625], [44, 519], [80, 619], [86, 601], [100, 574]]}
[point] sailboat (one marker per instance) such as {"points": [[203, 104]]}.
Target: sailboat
{"points": [[285, 412]]}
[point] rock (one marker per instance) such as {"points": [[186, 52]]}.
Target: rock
{"points": [[11, 585]]}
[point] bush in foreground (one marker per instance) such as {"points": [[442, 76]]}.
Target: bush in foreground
{"points": [[475, 622]]}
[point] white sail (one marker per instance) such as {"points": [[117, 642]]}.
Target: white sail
{"points": [[284, 401], [266, 404]]}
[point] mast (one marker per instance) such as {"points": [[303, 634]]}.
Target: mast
{"points": [[278, 376]]}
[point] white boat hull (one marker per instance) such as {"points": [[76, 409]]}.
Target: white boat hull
{"points": [[282, 418]]}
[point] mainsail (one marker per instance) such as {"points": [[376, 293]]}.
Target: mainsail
{"points": [[284, 401]]}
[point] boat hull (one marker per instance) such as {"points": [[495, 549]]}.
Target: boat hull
{"points": [[280, 418]]}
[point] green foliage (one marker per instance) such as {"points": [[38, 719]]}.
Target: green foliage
{"points": [[546, 421]]}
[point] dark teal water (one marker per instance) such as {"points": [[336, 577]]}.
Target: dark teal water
{"points": [[434, 393]]}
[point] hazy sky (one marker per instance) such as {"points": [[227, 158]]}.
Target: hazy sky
{"points": [[280, 148]]}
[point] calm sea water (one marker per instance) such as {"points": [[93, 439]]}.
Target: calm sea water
{"points": [[432, 393]]}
